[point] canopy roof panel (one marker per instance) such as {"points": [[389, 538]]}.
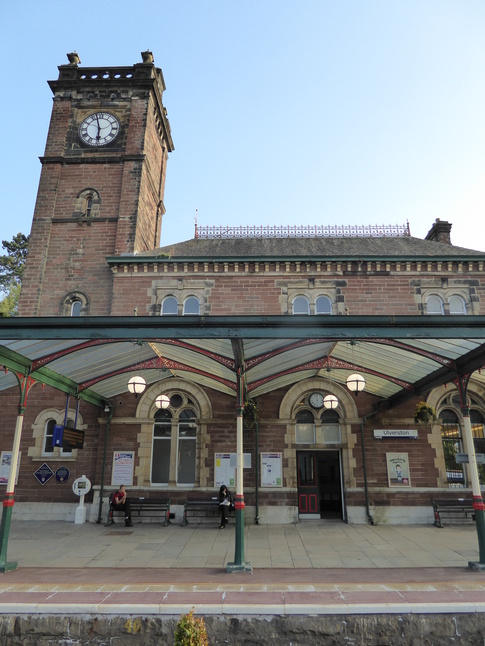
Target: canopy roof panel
{"points": [[94, 357]]}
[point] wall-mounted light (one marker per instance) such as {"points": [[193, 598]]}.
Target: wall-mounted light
{"points": [[136, 385], [330, 402], [355, 383], [162, 401]]}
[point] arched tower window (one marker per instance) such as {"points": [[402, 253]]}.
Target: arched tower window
{"points": [[75, 304], [76, 308], [87, 204]]}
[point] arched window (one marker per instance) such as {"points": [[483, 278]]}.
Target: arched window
{"points": [[323, 305], [89, 206], [187, 447], [330, 428], [434, 305], [76, 307], [457, 305], [48, 448], [305, 427], [169, 306], [75, 304], [162, 443], [452, 444], [48, 437], [191, 306], [301, 305], [175, 427]]}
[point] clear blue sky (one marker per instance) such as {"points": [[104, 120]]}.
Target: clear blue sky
{"points": [[282, 112]]}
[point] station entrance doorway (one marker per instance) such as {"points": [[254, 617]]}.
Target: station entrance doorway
{"points": [[320, 485]]}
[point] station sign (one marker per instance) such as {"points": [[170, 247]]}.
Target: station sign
{"points": [[403, 433]]}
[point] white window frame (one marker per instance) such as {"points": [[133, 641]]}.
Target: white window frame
{"points": [[302, 298], [438, 300], [169, 299], [191, 299], [327, 299], [459, 299]]}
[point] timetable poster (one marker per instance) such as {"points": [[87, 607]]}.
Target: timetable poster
{"points": [[224, 472], [271, 470], [123, 463]]}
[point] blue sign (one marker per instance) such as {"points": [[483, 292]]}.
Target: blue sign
{"points": [[62, 474], [57, 435], [43, 473]]}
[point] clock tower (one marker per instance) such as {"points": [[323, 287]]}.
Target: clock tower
{"points": [[101, 186]]}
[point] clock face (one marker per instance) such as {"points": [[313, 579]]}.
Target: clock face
{"points": [[316, 400], [99, 129]]}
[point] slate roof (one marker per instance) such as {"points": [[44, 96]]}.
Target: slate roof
{"points": [[321, 248]]}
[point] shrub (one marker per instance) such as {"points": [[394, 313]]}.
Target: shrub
{"points": [[190, 631]]}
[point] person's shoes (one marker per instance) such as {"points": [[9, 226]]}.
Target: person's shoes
{"points": [[128, 524], [221, 526]]}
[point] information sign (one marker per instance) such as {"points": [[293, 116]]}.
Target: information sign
{"points": [[43, 474], [271, 470], [72, 438], [62, 474], [123, 464], [224, 472]]}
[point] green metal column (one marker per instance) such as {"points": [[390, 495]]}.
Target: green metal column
{"points": [[239, 564], [25, 384]]}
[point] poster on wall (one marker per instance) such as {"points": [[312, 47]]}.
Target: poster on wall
{"points": [[224, 471], [5, 463], [271, 470], [123, 464], [398, 469]]}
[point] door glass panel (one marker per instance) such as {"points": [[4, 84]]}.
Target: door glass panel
{"points": [[306, 470]]}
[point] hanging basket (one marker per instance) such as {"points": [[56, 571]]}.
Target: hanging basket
{"points": [[424, 414], [251, 413]]}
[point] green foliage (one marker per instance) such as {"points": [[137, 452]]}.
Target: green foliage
{"points": [[424, 413], [11, 271], [251, 413], [190, 631], [9, 303]]}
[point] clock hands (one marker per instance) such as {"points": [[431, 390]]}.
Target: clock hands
{"points": [[98, 137]]}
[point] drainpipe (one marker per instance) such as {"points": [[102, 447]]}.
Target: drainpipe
{"points": [[366, 490], [111, 411], [256, 471]]}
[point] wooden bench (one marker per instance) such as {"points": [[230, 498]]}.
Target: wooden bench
{"points": [[204, 505], [154, 507], [456, 510]]}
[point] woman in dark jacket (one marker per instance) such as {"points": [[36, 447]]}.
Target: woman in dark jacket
{"points": [[225, 502]]}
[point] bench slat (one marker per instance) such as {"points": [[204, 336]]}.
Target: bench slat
{"points": [[153, 507], [452, 506], [199, 504]]}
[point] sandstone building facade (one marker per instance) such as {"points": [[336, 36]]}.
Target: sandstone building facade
{"points": [[95, 252]]}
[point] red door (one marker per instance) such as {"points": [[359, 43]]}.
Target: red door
{"points": [[307, 484]]}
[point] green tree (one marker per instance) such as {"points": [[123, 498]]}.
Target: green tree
{"points": [[11, 269]]}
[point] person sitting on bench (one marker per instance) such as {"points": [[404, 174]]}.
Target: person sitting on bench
{"points": [[122, 503], [225, 503]]}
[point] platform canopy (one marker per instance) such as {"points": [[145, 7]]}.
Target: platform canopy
{"points": [[94, 357]]}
